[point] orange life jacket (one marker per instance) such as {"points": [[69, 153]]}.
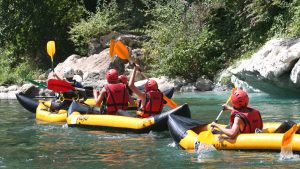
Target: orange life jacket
{"points": [[251, 119], [154, 103], [117, 97]]}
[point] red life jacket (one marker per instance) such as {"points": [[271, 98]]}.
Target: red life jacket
{"points": [[117, 97], [154, 103], [251, 119]]}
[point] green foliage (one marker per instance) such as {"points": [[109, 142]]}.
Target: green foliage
{"points": [[182, 43], [121, 16], [15, 75], [293, 26], [29, 24], [103, 22], [202, 37], [187, 38]]}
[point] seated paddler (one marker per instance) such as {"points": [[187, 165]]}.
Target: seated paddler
{"points": [[123, 79], [114, 96], [152, 101], [243, 119], [66, 98]]}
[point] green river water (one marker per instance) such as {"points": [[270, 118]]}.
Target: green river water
{"points": [[26, 143]]}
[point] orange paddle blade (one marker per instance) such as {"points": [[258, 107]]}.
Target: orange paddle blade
{"points": [[121, 50], [51, 48], [111, 47], [288, 135], [170, 102]]}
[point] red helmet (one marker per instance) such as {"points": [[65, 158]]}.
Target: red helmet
{"points": [[239, 99], [112, 75], [151, 85], [123, 79]]}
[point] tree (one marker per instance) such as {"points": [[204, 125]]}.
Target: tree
{"points": [[27, 25]]}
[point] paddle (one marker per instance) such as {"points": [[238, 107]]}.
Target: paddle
{"points": [[288, 135], [121, 50], [51, 51], [61, 86], [44, 97], [111, 48], [40, 85], [207, 137], [229, 98]]}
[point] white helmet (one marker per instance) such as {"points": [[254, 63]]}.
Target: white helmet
{"points": [[69, 72]]}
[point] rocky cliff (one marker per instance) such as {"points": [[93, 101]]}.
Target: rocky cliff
{"points": [[274, 69]]}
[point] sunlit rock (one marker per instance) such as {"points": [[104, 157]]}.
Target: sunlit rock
{"points": [[204, 84], [273, 68], [188, 88], [295, 74]]}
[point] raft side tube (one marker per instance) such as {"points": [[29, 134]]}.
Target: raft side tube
{"points": [[161, 120], [179, 126], [82, 108], [28, 103], [169, 92]]}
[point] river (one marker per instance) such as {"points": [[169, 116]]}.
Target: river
{"points": [[26, 143]]}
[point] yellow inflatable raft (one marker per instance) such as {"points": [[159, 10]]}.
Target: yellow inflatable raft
{"points": [[44, 113], [77, 117], [186, 131]]}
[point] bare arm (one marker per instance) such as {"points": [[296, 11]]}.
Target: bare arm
{"points": [[131, 85], [233, 131], [99, 97]]}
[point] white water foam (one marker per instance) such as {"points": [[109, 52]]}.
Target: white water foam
{"points": [[65, 126], [286, 154], [203, 151], [173, 144]]}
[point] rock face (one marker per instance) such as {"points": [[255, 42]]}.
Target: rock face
{"points": [[275, 68], [204, 84], [92, 69]]}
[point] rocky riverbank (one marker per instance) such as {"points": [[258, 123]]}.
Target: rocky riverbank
{"points": [[90, 71]]}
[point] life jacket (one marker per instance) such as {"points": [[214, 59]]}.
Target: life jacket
{"points": [[154, 103], [116, 98], [251, 119]]}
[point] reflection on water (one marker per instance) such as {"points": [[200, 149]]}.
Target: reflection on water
{"points": [[26, 143]]}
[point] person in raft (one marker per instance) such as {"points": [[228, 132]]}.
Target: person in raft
{"points": [[68, 75], [123, 79], [152, 101], [114, 95], [66, 98], [243, 119]]}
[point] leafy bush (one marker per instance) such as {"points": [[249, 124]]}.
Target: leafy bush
{"points": [[12, 72], [28, 25], [293, 25], [202, 37], [187, 38], [104, 21], [182, 43], [110, 16]]}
